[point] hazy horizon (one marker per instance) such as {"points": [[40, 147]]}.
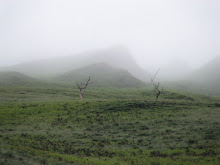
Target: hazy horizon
{"points": [[156, 32]]}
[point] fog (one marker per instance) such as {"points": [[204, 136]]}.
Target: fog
{"points": [[156, 32]]}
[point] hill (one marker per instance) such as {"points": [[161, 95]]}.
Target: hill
{"points": [[205, 80], [16, 78], [209, 74], [102, 75], [118, 57]]}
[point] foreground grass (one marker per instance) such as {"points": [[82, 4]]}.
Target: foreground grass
{"points": [[183, 131]]}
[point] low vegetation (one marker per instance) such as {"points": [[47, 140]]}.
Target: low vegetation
{"points": [[49, 125]]}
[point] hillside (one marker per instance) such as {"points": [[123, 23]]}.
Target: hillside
{"points": [[209, 74], [118, 57], [102, 75], [107, 132], [205, 80], [16, 78]]}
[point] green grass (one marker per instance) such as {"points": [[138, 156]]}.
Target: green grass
{"points": [[49, 125], [45, 92]]}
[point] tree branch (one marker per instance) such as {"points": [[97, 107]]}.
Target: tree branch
{"points": [[155, 75]]}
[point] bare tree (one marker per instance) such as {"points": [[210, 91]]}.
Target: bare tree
{"points": [[158, 91], [82, 87]]}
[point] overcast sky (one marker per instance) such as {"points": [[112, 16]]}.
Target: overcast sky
{"points": [[156, 31]]}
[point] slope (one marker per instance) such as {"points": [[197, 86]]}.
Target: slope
{"points": [[103, 75], [16, 78], [209, 74], [205, 80], [117, 56]]}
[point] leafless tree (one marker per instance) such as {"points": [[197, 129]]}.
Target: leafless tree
{"points": [[158, 91], [82, 87]]}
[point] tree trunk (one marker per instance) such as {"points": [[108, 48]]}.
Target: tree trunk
{"points": [[157, 95], [80, 95]]}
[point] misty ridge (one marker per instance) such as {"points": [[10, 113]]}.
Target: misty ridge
{"points": [[116, 67], [179, 38]]}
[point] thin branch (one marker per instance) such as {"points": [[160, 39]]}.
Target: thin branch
{"points": [[152, 80], [157, 89]]}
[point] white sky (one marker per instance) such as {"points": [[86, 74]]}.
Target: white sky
{"points": [[156, 31]]}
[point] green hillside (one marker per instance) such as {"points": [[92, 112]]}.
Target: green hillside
{"points": [[102, 75], [16, 78], [110, 132], [47, 124]]}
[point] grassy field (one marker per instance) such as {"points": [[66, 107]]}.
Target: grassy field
{"points": [[49, 125]]}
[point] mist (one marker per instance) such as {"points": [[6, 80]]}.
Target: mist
{"points": [[156, 32], [109, 82]]}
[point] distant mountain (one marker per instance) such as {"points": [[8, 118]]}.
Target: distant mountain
{"points": [[117, 57], [205, 80], [209, 74], [102, 75], [15, 78]]}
